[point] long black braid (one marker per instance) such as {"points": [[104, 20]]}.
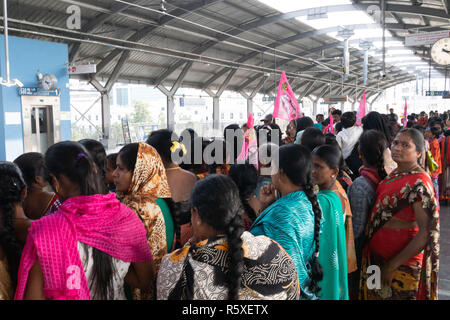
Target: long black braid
{"points": [[11, 186], [296, 162], [316, 268], [217, 199], [372, 145]]}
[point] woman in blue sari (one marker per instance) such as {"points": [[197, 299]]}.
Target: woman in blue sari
{"points": [[294, 220]]}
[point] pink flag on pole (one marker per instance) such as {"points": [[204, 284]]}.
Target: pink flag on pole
{"points": [[331, 123], [405, 115], [249, 149], [250, 121], [286, 105], [363, 110], [330, 127]]}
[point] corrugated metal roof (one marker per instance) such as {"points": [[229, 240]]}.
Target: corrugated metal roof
{"points": [[225, 30]]}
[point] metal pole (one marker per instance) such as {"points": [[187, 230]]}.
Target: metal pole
{"points": [[383, 21], [5, 33]]}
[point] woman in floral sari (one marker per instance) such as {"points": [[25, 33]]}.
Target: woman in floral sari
{"points": [[222, 261], [402, 235]]}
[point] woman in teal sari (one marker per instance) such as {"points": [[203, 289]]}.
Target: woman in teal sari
{"points": [[294, 220], [332, 253]]}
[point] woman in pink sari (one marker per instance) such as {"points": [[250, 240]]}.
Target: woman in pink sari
{"points": [[90, 246]]}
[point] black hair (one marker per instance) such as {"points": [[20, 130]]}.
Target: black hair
{"points": [[312, 137], [233, 127], [245, 176], [212, 168], [303, 123], [338, 127], [435, 132], [98, 154], [336, 112], [128, 155], [419, 128], [238, 134], [111, 158], [162, 141], [330, 154], [330, 139], [216, 198], [12, 185], [296, 162], [372, 145], [348, 119], [274, 127], [433, 121], [75, 162], [375, 121], [31, 164], [416, 136]]}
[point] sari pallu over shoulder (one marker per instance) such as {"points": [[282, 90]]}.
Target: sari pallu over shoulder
{"points": [[99, 221], [149, 183], [404, 190]]}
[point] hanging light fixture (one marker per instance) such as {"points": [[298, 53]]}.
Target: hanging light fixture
{"points": [[162, 6]]}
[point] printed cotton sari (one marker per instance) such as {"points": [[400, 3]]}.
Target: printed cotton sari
{"points": [[444, 177], [417, 278], [198, 272]]}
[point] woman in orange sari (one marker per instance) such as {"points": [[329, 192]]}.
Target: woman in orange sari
{"points": [[402, 235]]}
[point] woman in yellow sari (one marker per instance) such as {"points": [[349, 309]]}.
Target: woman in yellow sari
{"points": [[140, 179]]}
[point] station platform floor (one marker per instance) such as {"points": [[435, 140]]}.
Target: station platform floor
{"points": [[444, 254]]}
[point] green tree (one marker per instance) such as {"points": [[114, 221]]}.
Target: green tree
{"points": [[141, 113]]}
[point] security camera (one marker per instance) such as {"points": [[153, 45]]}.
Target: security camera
{"points": [[382, 74]]}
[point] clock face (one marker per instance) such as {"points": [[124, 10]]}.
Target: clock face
{"points": [[440, 52]]}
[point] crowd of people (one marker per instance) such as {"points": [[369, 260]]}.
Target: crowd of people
{"points": [[344, 198]]}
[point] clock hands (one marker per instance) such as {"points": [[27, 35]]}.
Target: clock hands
{"points": [[446, 51]]}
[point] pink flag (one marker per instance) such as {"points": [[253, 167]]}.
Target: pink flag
{"points": [[249, 149], [250, 121], [286, 105], [405, 115], [362, 109], [331, 123]]}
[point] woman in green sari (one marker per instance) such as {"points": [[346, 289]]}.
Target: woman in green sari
{"points": [[332, 252], [293, 220]]}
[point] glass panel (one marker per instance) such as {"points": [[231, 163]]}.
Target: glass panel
{"points": [[43, 120], [33, 120]]}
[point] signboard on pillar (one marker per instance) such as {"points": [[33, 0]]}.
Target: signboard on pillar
{"points": [[425, 38], [82, 68], [346, 59]]}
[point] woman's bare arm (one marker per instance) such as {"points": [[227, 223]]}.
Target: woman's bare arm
{"points": [[140, 275], [416, 245], [35, 284]]}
